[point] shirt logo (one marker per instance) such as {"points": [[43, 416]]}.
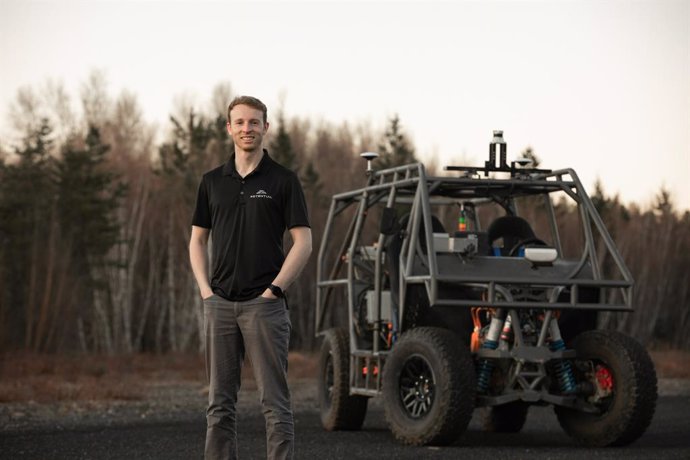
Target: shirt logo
{"points": [[261, 194]]}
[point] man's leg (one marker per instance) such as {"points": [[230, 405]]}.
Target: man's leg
{"points": [[265, 326], [224, 354]]}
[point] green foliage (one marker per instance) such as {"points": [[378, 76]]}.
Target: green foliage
{"points": [[221, 144], [54, 210], [88, 197], [27, 188], [28, 183], [189, 140], [605, 205], [27, 193], [195, 147], [310, 179], [599, 199], [65, 218], [396, 149], [281, 147], [663, 203]]}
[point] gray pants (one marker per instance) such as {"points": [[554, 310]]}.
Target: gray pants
{"points": [[261, 327]]}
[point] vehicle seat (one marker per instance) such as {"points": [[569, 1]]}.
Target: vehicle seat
{"points": [[393, 245], [512, 229], [455, 319]]}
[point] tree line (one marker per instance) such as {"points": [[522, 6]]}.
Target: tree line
{"points": [[95, 219]]}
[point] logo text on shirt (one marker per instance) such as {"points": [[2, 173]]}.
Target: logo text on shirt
{"points": [[261, 194]]}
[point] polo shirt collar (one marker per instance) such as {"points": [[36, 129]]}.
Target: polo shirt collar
{"points": [[230, 170]]}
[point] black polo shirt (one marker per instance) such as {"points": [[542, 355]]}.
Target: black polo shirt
{"points": [[248, 218]]}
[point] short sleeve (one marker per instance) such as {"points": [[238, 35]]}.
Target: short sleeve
{"points": [[295, 212], [202, 212]]}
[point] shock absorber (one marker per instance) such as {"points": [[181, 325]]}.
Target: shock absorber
{"points": [[486, 366], [506, 334], [563, 368]]}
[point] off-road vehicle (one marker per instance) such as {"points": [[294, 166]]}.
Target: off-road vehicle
{"points": [[451, 301]]}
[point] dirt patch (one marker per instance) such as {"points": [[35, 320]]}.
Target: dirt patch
{"points": [[671, 364], [44, 378], [40, 378], [64, 392]]}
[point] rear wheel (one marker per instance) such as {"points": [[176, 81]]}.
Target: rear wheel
{"points": [[506, 418], [428, 387], [339, 410], [624, 382]]}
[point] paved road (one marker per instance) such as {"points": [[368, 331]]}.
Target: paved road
{"points": [[667, 438]]}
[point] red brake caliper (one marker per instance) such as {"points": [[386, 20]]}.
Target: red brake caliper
{"points": [[604, 380]]}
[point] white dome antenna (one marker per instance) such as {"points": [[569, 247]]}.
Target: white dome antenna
{"points": [[525, 162], [369, 156]]}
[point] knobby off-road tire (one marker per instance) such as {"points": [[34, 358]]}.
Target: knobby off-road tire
{"points": [[627, 412], [428, 387], [339, 409], [506, 418]]}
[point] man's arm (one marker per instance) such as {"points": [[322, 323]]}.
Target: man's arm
{"points": [[198, 256], [295, 260]]}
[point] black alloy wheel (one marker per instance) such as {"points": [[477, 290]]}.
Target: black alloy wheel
{"points": [[417, 386], [429, 387]]}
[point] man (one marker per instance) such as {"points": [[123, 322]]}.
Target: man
{"points": [[247, 204]]}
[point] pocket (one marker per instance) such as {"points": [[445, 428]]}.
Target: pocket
{"points": [[212, 298], [261, 300]]}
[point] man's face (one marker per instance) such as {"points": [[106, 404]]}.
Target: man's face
{"points": [[247, 128]]}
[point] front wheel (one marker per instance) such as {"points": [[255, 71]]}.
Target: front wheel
{"points": [[339, 410], [624, 382], [428, 387]]}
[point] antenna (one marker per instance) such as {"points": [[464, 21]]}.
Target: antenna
{"points": [[503, 147], [369, 156], [524, 162], [519, 167]]}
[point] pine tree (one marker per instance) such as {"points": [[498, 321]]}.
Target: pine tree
{"points": [[194, 148], [88, 196], [663, 202], [186, 156], [186, 149], [310, 179], [281, 147], [221, 143], [396, 149], [26, 200]]}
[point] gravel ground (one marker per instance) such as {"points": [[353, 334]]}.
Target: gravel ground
{"points": [[162, 402], [178, 401]]}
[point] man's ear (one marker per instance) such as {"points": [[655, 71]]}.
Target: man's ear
{"points": [[227, 126], [266, 127]]}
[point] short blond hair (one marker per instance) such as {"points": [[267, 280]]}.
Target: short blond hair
{"points": [[251, 102]]}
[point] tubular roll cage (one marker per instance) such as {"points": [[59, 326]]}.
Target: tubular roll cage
{"points": [[409, 184]]}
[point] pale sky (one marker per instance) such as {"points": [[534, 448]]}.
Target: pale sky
{"points": [[599, 86]]}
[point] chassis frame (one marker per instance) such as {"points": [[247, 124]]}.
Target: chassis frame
{"points": [[494, 277]]}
